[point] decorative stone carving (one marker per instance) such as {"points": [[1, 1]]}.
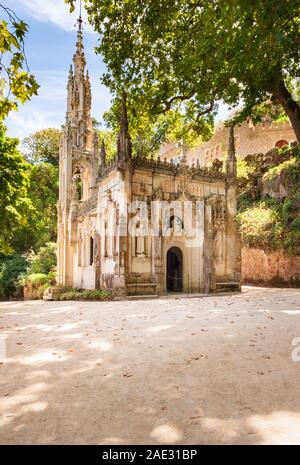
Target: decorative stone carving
{"points": [[158, 194], [219, 241], [122, 258]]}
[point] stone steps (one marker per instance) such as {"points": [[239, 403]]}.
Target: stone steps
{"points": [[226, 287]]}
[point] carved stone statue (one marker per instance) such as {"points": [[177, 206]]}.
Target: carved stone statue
{"points": [[75, 97], [87, 94], [140, 233], [219, 242], [76, 186]]}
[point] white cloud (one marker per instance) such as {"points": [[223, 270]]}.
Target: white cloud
{"points": [[54, 11], [22, 123]]}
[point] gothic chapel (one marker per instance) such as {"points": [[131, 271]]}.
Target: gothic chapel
{"points": [[140, 225]]}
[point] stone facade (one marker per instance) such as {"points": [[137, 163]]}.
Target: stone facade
{"points": [[249, 139], [138, 225]]}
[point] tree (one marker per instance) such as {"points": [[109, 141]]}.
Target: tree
{"points": [[11, 268], [193, 53], [45, 259], [149, 131], [17, 85], [14, 181], [42, 146], [28, 198], [41, 224]]}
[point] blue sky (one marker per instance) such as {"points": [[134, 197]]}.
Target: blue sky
{"points": [[50, 45]]}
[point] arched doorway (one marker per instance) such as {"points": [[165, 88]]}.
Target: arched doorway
{"points": [[174, 269]]}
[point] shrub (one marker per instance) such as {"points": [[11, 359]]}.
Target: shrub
{"points": [[11, 268], [81, 294], [244, 171], [37, 279], [290, 167], [45, 260], [260, 226]]}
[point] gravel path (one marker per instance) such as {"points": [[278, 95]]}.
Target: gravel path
{"points": [[169, 371]]}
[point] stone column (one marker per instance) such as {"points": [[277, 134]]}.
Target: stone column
{"points": [[208, 266], [233, 244]]}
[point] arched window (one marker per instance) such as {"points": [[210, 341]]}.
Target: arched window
{"points": [[77, 186]]}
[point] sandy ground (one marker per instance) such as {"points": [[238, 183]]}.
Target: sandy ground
{"points": [[169, 371]]}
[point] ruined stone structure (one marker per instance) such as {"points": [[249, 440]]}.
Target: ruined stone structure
{"points": [[138, 225], [249, 139]]}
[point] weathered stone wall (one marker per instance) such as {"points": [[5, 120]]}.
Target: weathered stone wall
{"points": [[249, 139], [270, 268]]}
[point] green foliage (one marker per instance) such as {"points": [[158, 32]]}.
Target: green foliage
{"points": [[15, 206], [260, 225], [40, 272], [290, 168], [41, 224], [10, 270], [43, 146], [188, 54], [36, 279], [45, 260], [80, 294], [17, 85], [271, 224], [244, 171], [149, 131], [110, 141]]}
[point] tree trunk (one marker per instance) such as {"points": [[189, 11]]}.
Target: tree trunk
{"points": [[292, 109]]}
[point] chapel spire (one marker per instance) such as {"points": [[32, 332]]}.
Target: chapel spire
{"points": [[79, 95], [79, 57], [231, 157]]}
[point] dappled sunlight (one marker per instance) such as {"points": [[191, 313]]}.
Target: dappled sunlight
{"points": [[23, 401], [42, 357], [158, 329], [88, 366], [226, 430], [102, 345], [166, 434], [211, 370], [24, 395], [113, 441], [40, 327], [20, 304], [66, 327], [279, 427], [37, 374], [291, 312], [73, 336]]}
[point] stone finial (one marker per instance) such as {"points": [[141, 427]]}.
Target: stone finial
{"points": [[124, 141], [79, 58], [103, 153], [231, 145], [87, 94], [71, 73], [95, 142], [183, 148], [231, 158]]}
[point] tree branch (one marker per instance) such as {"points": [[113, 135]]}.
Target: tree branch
{"points": [[168, 103]]}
